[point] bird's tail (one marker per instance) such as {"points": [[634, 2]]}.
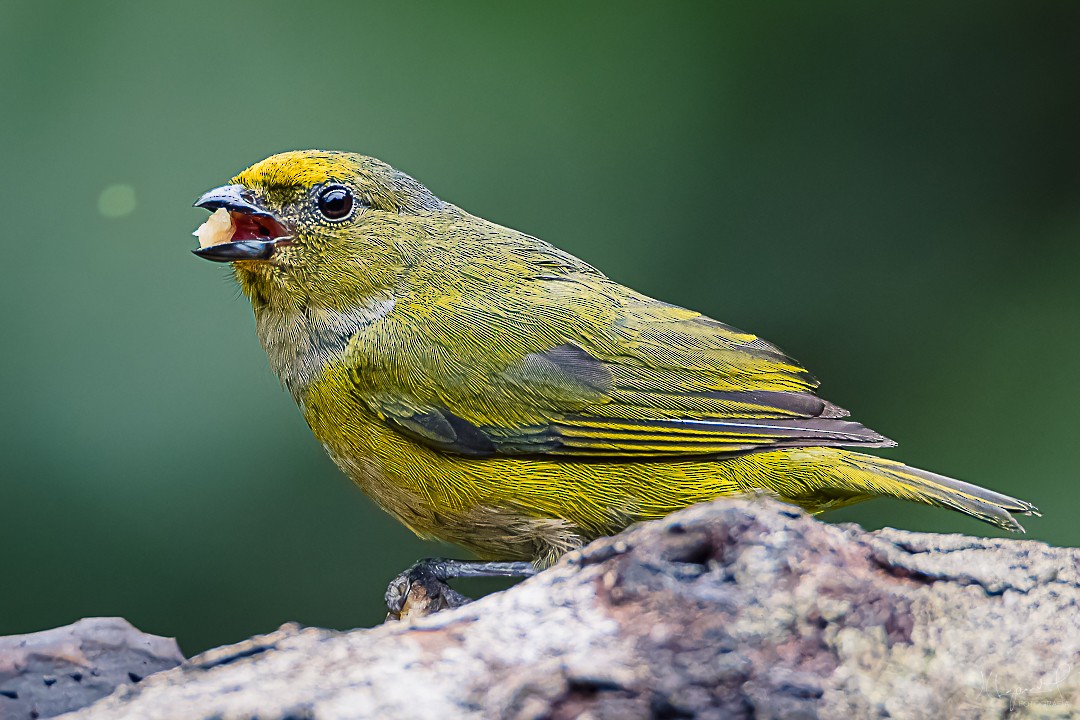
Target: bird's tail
{"points": [[865, 476]]}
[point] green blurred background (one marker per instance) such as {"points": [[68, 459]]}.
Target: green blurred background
{"points": [[891, 193]]}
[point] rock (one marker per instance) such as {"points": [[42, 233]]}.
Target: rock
{"points": [[47, 673], [733, 609]]}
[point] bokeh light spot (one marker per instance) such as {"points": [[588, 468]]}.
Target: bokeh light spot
{"points": [[117, 201]]}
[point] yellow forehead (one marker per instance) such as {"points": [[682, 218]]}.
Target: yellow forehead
{"points": [[304, 168], [381, 187]]}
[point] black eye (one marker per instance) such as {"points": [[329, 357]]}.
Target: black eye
{"points": [[335, 202]]}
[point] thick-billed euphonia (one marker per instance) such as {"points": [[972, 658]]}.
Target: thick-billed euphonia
{"points": [[494, 391]]}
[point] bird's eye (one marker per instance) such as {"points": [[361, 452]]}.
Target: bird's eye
{"points": [[335, 202]]}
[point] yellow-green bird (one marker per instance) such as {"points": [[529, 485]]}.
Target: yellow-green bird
{"points": [[489, 389]]}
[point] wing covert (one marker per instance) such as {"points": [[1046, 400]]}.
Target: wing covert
{"points": [[563, 362]]}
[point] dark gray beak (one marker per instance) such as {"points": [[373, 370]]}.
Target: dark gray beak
{"points": [[238, 199], [239, 250], [231, 197]]}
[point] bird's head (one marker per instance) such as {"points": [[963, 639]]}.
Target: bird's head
{"points": [[316, 227]]}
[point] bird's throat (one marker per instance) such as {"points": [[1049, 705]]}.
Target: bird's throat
{"points": [[301, 342]]}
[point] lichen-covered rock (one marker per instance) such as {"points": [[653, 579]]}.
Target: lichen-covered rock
{"points": [[738, 608], [47, 673]]}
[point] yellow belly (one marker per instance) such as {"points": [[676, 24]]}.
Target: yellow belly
{"points": [[514, 508]]}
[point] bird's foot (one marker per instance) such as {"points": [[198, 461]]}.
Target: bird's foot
{"points": [[423, 589]]}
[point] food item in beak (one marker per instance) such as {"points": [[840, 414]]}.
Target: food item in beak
{"points": [[218, 228]]}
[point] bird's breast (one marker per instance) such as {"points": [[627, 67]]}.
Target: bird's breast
{"points": [[301, 343]]}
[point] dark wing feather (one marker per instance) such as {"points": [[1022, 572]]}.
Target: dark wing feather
{"points": [[580, 367], [657, 424]]}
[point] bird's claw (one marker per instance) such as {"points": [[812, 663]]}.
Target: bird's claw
{"points": [[420, 591]]}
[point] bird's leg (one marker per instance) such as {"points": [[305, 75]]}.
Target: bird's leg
{"points": [[423, 589]]}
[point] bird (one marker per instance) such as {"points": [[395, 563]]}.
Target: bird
{"points": [[491, 390]]}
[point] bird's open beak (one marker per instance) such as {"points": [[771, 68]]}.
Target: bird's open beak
{"points": [[256, 234]]}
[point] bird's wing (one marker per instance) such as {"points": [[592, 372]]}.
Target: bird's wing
{"points": [[581, 367]]}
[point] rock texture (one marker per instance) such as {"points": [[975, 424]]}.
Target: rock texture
{"points": [[51, 672], [739, 608]]}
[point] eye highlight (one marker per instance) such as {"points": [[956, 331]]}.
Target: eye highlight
{"points": [[335, 202]]}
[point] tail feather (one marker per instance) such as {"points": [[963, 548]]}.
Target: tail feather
{"points": [[888, 477]]}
